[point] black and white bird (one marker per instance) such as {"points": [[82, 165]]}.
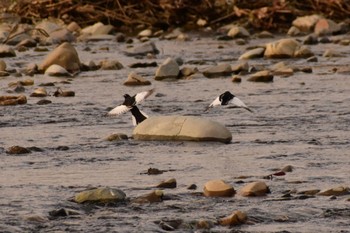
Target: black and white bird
{"points": [[227, 98], [129, 104]]}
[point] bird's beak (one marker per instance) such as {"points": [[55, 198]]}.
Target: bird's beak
{"points": [[239, 103]]}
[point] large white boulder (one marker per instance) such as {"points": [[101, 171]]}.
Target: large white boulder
{"points": [[181, 128]]}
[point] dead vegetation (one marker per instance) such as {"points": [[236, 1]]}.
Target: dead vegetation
{"points": [[261, 14]]}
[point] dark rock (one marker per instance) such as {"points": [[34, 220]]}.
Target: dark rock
{"points": [[44, 101], [16, 150], [171, 183]]}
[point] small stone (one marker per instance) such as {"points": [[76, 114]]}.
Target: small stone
{"points": [[306, 23], [64, 55], [12, 100], [17, 150], [294, 31], [57, 71], [312, 59], [43, 102], [338, 191], [188, 71], [100, 195], [145, 33], [192, 187], [236, 79], [6, 51], [63, 212], [155, 196], [169, 69], [242, 67], [326, 27], [171, 183], [306, 69], [110, 65], [60, 93], [154, 171], [311, 39], [136, 80], [236, 218], [261, 76], [331, 53], [238, 32], [288, 168], [258, 188], [218, 188], [19, 88], [143, 49], [265, 34], [241, 41], [39, 92], [218, 71], [253, 53], [204, 224], [117, 137]]}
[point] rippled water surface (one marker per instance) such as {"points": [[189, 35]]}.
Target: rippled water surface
{"points": [[302, 120]]}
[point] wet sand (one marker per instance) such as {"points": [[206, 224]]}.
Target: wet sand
{"points": [[302, 120]]}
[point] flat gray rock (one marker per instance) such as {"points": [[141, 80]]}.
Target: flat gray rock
{"points": [[181, 128]]}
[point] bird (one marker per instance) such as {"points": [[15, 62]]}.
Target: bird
{"points": [[129, 104], [227, 98]]}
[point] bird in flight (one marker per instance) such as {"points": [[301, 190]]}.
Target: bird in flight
{"points": [[129, 104], [227, 98]]}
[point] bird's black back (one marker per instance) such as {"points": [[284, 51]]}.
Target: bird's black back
{"points": [[129, 101], [226, 97]]}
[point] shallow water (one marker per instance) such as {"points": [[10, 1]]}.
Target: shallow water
{"points": [[301, 121]]}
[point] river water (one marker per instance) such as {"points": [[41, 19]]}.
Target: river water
{"points": [[302, 121]]}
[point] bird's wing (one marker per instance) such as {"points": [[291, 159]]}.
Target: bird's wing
{"points": [[239, 103], [118, 110], [216, 102], [139, 97]]}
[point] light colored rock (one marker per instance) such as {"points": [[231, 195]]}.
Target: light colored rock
{"points": [[238, 32], [136, 80], [236, 218], [258, 188], [294, 31], [39, 92], [261, 76], [243, 66], [12, 100], [155, 196], [103, 195], [169, 69], [284, 48], [110, 65], [338, 191], [181, 128], [236, 79], [326, 27], [253, 53], [145, 33], [306, 23], [282, 69], [143, 49], [6, 51], [64, 55], [57, 70], [218, 188], [218, 70], [303, 52], [97, 29], [59, 36], [171, 183], [331, 53], [74, 27], [265, 34], [188, 71]]}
